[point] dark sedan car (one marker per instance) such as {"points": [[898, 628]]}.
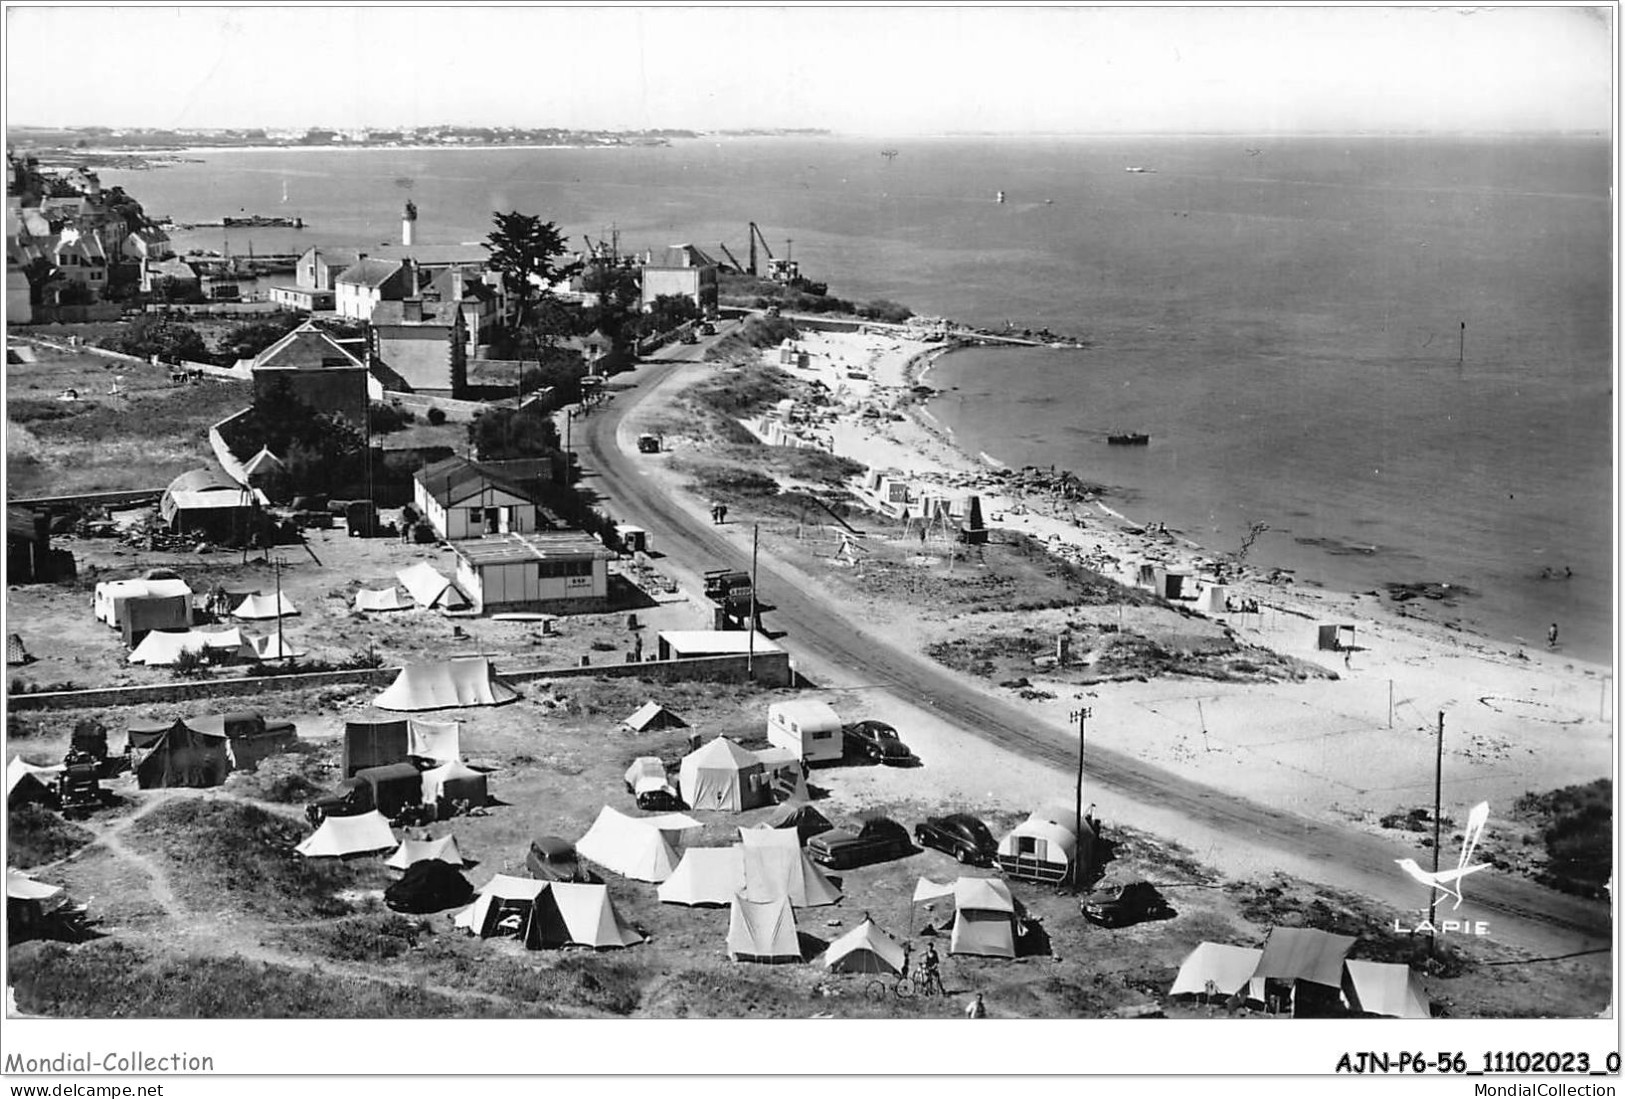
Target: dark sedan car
{"points": [[877, 741], [960, 835]]}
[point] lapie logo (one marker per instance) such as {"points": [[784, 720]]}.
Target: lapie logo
{"points": [[1449, 882]]}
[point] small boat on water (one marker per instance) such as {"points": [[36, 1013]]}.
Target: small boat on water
{"points": [[1129, 438], [1139, 170]]}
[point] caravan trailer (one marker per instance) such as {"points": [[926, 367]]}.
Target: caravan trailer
{"points": [[810, 729]]}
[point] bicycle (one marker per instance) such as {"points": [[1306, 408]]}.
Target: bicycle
{"points": [[905, 988]]}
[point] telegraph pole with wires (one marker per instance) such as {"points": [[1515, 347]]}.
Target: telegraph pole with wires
{"points": [[1080, 716], [281, 649], [750, 637], [1438, 798]]}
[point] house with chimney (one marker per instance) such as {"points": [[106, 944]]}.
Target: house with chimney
{"points": [[423, 341], [366, 283], [682, 270], [317, 371]]}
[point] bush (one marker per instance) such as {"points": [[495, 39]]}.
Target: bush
{"points": [[170, 340], [35, 835], [882, 310], [1577, 829], [192, 664], [386, 418], [436, 416], [369, 939]]}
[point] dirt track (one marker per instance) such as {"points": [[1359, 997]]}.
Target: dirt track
{"points": [[1521, 913]]}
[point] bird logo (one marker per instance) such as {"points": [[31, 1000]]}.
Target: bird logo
{"points": [[1449, 882]]}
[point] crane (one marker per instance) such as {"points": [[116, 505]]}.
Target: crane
{"points": [[756, 235], [730, 256]]}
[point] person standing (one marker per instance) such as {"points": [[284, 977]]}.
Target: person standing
{"points": [[976, 1009], [1551, 636]]}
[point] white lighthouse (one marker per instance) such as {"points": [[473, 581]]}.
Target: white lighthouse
{"points": [[409, 225]]}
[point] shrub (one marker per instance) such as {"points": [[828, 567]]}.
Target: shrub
{"points": [[191, 664], [1577, 829], [36, 835], [170, 340], [882, 310], [386, 418], [436, 415]]}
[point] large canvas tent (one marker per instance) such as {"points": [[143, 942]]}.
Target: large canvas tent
{"points": [[140, 615], [249, 739], [111, 596], [444, 684], [443, 850], [865, 949], [763, 931], [436, 740], [722, 776], [339, 836], [1383, 988], [1219, 969], [383, 599], [430, 587], [984, 918], [1309, 962], [159, 648], [706, 875], [260, 606], [183, 756], [637, 848], [454, 782], [374, 742], [652, 716], [26, 782], [776, 866]]}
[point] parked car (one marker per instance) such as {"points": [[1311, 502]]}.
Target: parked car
{"points": [[1136, 902], [877, 741], [708, 329], [960, 835], [689, 337], [875, 840], [554, 859]]}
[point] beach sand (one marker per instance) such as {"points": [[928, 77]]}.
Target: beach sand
{"points": [[1515, 720]]}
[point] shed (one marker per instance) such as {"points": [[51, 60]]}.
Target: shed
{"points": [[1334, 637]]}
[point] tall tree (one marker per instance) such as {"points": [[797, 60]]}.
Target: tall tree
{"points": [[525, 251]]}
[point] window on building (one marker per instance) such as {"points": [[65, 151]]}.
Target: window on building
{"points": [[476, 516]]}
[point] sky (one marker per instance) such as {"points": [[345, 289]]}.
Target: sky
{"points": [[855, 69]]}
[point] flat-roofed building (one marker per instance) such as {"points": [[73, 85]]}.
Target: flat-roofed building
{"points": [[561, 572]]}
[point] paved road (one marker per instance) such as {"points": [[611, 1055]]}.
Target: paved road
{"points": [[1540, 920]]}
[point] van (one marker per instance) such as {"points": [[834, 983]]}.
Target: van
{"points": [[810, 729]]}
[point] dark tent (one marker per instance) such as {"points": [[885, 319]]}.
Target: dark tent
{"points": [[144, 734], [545, 928], [250, 736], [801, 816], [183, 756], [429, 886], [374, 742]]}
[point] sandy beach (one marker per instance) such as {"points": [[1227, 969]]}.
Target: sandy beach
{"points": [[1350, 748]]}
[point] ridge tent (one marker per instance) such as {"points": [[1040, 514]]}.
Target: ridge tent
{"points": [[453, 782], [437, 740], [652, 716], [706, 875], [374, 742], [183, 756], [1309, 963], [800, 815], [504, 906], [161, 649], [460, 681], [1229, 969], [776, 866], [340, 836], [763, 931], [1040, 848], [784, 774], [111, 595], [259, 606], [1382, 988], [722, 776], [430, 588], [984, 918], [249, 738], [927, 890], [269, 647], [383, 599], [590, 917], [409, 852], [865, 949], [631, 847], [428, 885], [26, 782]]}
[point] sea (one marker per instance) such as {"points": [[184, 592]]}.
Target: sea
{"points": [[1395, 353]]}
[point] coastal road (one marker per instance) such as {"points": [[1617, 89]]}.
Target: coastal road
{"points": [[1519, 912]]}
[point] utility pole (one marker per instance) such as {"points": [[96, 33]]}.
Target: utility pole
{"points": [[1438, 784], [1080, 716], [1461, 349], [750, 639], [281, 651]]}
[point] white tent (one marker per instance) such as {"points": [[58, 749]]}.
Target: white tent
{"points": [[776, 866], [258, 606], [590, 916], [269, 647], [784, 774], [1382, 988], [348, 836], [865, 949], [443, 849], [706, 875], [1304, 954], [455, 781], [159, 648], [631, 847], [1229, 968], [984, 918], [438, 740], [763, 931], [1212, 599], [430, 588], [651, 716], [503, 896], [927, 890], [461, 681], [21, 887], [111, 594], [23, 779], [383, 599], [722, 776], [1040, 848]]}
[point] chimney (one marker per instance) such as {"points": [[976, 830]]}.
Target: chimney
{"points": [[412, 310], [457, 286]]}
